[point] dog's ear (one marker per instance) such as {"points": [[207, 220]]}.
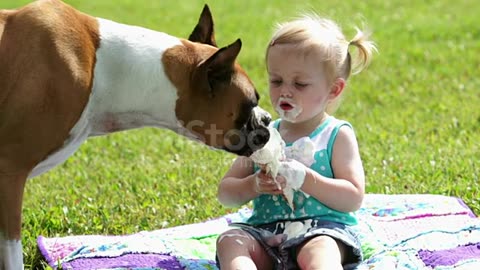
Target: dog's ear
{"points": [[219, 67], [204, 31]]}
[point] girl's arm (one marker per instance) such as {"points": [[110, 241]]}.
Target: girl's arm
{"points": [[344, 192], [241, 185], [238, 185]]}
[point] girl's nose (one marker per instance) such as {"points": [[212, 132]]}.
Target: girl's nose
{"points": [[286, 91]]}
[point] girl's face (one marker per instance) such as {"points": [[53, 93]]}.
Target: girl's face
{"points": [[299, 85]]}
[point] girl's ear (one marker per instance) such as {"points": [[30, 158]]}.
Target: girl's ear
{"points": [[337, 87]]}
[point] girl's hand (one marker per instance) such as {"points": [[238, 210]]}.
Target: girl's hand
{"points": [[294, 172], [265, 184]]}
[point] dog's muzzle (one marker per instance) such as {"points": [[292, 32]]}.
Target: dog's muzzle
{"points": [[255, 133]]}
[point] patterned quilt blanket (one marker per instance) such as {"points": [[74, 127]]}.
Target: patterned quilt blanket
{"points": [[397, 232]]}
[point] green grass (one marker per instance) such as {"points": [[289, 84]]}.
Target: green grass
{"points": [[415, 110]]}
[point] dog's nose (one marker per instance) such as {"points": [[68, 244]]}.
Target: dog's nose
{"points": [[254, 133], [259, 138], [253, 139], [266, 119]]}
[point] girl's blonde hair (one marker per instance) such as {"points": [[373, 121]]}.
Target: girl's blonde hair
{"points": [[311, 32]]}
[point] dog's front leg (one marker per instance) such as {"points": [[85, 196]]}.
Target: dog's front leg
{"points": [[11, 194]]}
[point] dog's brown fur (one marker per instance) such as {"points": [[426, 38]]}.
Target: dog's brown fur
{"points": [[43, 89], [47, 61]]}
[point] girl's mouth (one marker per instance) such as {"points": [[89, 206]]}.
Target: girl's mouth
{"points": [[288, 110], [286, 106]]}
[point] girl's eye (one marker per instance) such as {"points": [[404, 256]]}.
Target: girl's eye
{"points": [[300, 85], [276, 82]]}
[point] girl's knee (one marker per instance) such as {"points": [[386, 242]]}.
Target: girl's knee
{"points": [[237, 249], [321, 241], [233, 236], [319, 252]]}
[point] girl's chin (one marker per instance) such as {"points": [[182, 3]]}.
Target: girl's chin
{"points": [[289, 116]]}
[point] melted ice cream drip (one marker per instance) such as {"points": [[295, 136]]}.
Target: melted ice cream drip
{"points": [[269, 158], [296, 228]]}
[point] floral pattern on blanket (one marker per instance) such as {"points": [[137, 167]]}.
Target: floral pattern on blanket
{"points": [[397, 232]]}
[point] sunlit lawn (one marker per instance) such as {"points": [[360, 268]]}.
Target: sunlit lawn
{"points": [[415, 111]]}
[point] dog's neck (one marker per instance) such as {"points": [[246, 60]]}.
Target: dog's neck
{"points": [[130, 89], [130, 80]]}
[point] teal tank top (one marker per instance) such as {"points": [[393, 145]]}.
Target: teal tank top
{"points": [[272, 208]]}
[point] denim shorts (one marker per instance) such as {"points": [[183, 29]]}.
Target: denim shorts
{"points": [[284, 254]]}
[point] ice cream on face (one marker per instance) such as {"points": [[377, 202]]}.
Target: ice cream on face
{"points": [[287, 109]]}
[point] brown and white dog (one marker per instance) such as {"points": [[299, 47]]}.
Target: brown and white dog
{"points": [[66, 76]]}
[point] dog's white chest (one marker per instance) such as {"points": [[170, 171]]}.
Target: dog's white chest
{"points": [[130, 88]]}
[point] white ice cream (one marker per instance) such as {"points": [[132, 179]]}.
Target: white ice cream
{"points": [[271, 156], [271, 153], [296, 228], [295, 179]]}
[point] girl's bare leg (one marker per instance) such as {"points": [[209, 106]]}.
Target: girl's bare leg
{"points": [[321, 252], [238, 250]]}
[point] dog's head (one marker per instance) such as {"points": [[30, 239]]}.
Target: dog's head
{"points": [[217, 101]]}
